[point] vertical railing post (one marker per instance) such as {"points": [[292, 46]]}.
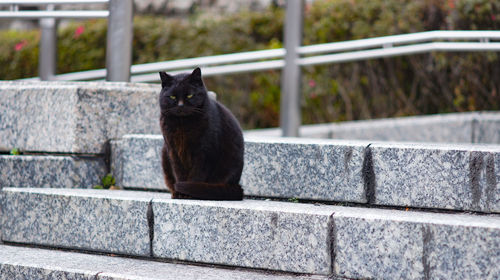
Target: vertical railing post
{"points": [[290, 115], [119, 40], [47, 56]]}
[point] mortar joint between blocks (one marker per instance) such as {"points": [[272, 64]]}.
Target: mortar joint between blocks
{"points": [[151, 224]]}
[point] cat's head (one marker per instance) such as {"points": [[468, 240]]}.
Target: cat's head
{"points": [[182, 94]]}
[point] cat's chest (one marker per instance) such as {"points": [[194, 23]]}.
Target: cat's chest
{"points": [[183, 145]]}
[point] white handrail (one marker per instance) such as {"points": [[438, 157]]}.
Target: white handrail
{"points": [[388, 46], [398, 40], [398, 51], [119, 36], [53, 14], [207, 60], [218, 70]]}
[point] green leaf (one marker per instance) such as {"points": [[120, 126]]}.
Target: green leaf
{"points": [[108, 181], [15, 152]]}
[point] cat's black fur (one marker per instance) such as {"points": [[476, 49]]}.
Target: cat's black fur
{"points": [[202, 156]]}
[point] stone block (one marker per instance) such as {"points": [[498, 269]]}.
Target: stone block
{"points": [[274, 167], [450, 128], [33, 263], [345, 242], [474, 127], [97, 220], [389, 244], [304, 168], [74, 117], [487, 128], [460, 177], [443, 176], [462, 252], [37, 171], [136, 162], [258, 234]]}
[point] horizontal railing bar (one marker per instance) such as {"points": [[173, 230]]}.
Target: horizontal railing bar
{"points": [[200, 61], [83, 75], [343, 57], [151, 77], [142, 72], [398, 39], [55, 2], [397, 51], [54, 14], [218, 70]]}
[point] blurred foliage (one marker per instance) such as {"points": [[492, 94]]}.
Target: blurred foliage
{"points": [[107, 182], [18, 54], [15, 152], [408, 85]]}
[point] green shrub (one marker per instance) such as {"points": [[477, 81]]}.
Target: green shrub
{"points": [[407, 85], [18, 54], [107, 182], [15, 152], [82, 46]]}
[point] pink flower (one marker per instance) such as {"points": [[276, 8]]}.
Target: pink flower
{"points": [[312, 83], [493, 17], [19, 46], [451, 4], [79, 30]]}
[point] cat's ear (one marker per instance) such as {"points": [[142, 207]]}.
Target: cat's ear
{"points": [[195, 77], [166, 80]]}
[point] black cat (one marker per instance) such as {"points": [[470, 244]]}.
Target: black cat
{"points": [[202, 156]]}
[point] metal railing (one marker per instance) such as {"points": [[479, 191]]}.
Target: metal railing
{"points": [[347, 51], [293, 57], [119, 41]]}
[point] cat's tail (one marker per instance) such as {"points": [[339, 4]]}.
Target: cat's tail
{"points": [[207, 191]]}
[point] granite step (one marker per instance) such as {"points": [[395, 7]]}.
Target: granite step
{"points": [[74, 117], [463, 177], [471, 127], [33, 263], [317, 239], [51, 171]]}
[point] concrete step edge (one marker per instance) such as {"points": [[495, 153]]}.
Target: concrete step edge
{"points": [[34, 263], [317, 239], [442, 176], [51, 171]]}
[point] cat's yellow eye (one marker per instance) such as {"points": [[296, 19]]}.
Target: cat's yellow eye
{"points": [[189, 96], [172, 97]]}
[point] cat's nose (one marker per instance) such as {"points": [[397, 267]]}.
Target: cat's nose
{"points": [[180, 103]]}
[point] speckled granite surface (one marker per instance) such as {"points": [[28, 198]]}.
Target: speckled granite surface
{"points": [[470, 252], [304, 168], [51, 171], [74, 117], [449, 128], [443, 176], [136, 162], [349, 242], [259, 234], [474, 127], [108, 221], [389, 244], [487, 129], [32, 263], [461, 177]]}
